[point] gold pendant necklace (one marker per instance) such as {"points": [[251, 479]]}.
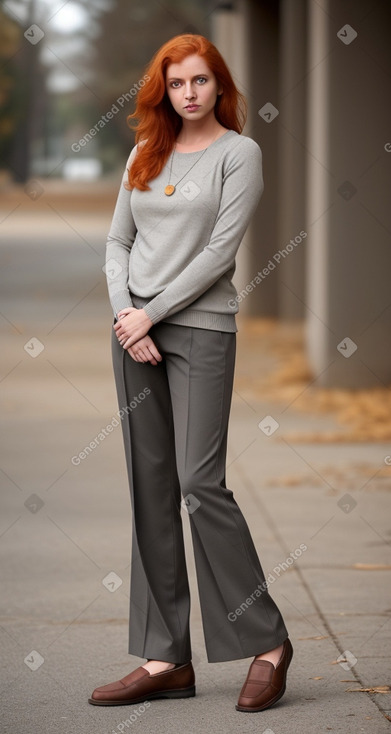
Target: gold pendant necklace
{"points": [[170, 188]]}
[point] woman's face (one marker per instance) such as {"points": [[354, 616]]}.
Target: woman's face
{"points": [[192, 88]]}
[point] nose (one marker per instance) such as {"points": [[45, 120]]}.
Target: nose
{"points": [[189, 91]]}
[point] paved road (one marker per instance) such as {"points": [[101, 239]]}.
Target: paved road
{"points": [[65, 526]]}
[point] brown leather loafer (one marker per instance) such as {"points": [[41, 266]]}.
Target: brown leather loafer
{"points": [[265, 684], [140, 685]]}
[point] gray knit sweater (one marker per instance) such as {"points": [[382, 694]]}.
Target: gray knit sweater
{"points": [[174, 255]]}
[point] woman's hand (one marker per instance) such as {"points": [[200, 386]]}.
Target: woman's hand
{"points": [[132, 325], [145, 350]]}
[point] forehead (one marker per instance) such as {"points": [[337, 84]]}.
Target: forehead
{"points": [[190, 66]]}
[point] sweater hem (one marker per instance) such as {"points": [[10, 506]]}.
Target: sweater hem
{"points": [[198, 319]]}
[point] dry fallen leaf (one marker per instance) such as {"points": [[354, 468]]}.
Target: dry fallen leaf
{"points": [[374, 689], [318, 637], [317, 677], [364, 415]]}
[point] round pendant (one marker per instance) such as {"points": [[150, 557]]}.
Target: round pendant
{"points": [[169, 190]]}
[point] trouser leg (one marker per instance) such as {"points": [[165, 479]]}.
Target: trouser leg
{"points": [[159, 593], [200, 369]]}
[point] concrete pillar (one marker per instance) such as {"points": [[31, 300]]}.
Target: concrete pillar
{"points": [[262, 88], [292, 157], [348, 215], [246, 33], [229, 32]]}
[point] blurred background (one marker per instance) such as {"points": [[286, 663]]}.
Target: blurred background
{"points": [[309, 451], [318, 90]]}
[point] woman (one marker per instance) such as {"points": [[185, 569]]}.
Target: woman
{"points": [[191, 186]]}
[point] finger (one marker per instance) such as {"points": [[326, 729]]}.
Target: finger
{"points": [[155, 352], [144, 355], [120, 328], [151, 346], [147, 356], [132, 340], [122, 335], [133, 355], [143, 359], [141, 356]]}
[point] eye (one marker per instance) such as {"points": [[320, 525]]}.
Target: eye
{"points": [[175, 84], [202, 80]]}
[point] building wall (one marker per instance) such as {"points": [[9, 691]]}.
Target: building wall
{"points": [[325, 66]]}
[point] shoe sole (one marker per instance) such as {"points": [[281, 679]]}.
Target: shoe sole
{"points": [[273, 700], [173, 693], [265, 706]]}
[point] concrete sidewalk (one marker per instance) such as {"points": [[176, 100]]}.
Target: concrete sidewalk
{"points": [[65, 527]]}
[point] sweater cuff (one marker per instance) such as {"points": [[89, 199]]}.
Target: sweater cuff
{"points": [[120, 300], [155, 309]]}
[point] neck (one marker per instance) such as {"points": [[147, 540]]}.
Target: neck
{"points": [[198, 131]]}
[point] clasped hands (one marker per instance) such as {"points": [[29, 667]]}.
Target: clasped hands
{"points": [[131, 331]]}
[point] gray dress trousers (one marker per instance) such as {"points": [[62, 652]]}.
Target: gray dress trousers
{"points": [[175, 423]]}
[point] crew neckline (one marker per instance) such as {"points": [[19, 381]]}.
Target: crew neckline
{"points": [[192, 152]]}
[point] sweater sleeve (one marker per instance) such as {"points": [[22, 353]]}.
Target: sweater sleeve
{"points": [[241, 191], [119, 243]]}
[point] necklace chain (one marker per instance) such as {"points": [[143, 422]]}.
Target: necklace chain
{"points": [[170, 188]]}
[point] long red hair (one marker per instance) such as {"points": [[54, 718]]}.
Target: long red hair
{"points": [[158, 123]]}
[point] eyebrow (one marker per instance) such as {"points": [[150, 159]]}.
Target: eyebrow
{"points": [[178, 79]]}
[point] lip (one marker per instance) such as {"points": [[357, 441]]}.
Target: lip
{"points": [[192, 107]]}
